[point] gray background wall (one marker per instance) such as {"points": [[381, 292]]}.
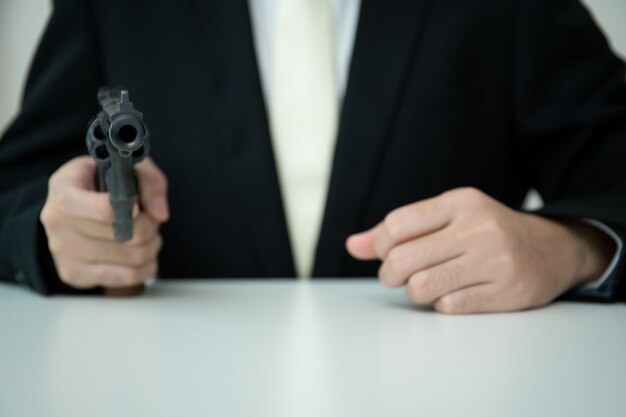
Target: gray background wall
{"points": [[21, 23]]}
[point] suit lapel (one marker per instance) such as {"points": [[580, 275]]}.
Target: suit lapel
{"points": [[240, 116], [386, 41]]}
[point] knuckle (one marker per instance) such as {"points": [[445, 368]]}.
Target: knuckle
{"points": [[52, 219], [57, 246], [53, 179], [71, 276], [472, 193], [46, 216], [68, 278], [493, 225], [489, 228], [394, 222], [427, 285], [469, 302], [65, 274], [397, 261], [61, 200], [472, 197], [448, 305], [456, 303], [417, 289], [381, 248], [496, 229]]}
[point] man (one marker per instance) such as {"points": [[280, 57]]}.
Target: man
{"points": [[283, 127]]}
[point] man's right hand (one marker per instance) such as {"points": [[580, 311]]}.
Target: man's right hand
{"points": [[78, 222]]}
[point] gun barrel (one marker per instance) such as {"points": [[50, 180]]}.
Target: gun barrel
{"points": [[117, 138]]}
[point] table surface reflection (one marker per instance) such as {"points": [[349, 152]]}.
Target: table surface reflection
{"points": [[287, 348]]}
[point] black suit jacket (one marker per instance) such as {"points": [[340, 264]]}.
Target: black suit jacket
{"points": [[502, 95]]}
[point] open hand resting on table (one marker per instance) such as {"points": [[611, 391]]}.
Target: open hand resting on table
{"points": [[464, 252], [78, 223]]}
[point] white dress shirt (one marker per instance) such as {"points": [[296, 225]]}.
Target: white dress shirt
{"points": [[346, 18]]}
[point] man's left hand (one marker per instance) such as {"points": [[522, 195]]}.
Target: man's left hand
{"points": [[464, 252]]}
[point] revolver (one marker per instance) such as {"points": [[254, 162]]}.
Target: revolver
{"points": [[117, 138]]}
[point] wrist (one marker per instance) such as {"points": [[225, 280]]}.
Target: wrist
{"points": [[593, 252]]}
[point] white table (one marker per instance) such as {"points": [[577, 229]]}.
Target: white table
{"points": [[284, 348]]}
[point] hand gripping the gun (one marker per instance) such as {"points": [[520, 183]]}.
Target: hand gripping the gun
{"points": [[77, 218]]}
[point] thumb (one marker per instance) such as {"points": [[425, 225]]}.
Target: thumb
{"points": [[363, 245], [153, 190]]}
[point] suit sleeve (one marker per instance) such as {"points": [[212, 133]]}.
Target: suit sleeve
{"points": [[59, 99], [570, 98]]}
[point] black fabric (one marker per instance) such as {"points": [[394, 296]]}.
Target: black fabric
{"points": [[500, 95]]}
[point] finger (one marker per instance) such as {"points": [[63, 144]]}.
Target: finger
{"points": [[419, 254], [78, 202], [362, 245], [413, 221], [70, 244], [83, 275], [72, 191], [144, 228], [153, 189], [481, 298], [429, 285], [80, 172]]}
